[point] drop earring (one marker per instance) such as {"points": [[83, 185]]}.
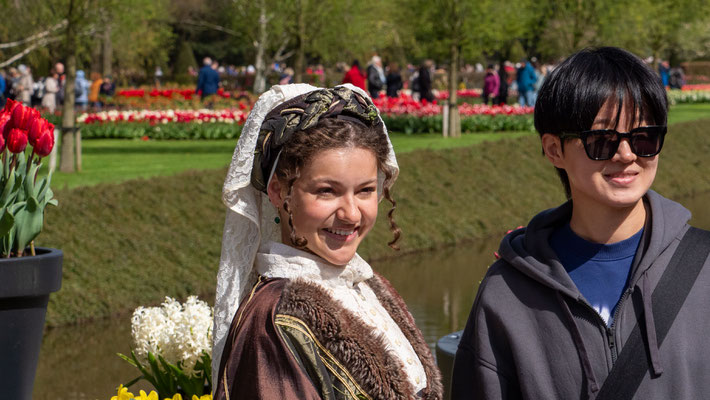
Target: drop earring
{"points": [[277, 219]]}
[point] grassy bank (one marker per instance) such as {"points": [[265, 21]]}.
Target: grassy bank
{"points": [[133, 243]]}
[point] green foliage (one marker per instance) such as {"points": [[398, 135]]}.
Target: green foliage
{"points": [[185, 59], [22, 202], [168, 379], [141, 37]]}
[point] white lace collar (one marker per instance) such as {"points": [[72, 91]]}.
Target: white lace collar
{"points": [[277, 260]]}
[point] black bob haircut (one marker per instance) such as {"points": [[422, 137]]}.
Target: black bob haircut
{"points": [[572, 95]]}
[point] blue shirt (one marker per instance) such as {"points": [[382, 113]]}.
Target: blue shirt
{"points": [[600, 271]]}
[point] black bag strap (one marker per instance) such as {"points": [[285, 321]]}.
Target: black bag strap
{"points": [[667, 299]]}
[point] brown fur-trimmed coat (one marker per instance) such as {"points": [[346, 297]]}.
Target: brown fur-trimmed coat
{"points": [[291, 340]]}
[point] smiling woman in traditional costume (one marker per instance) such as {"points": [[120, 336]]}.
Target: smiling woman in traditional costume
{"points": [[309, 318]]}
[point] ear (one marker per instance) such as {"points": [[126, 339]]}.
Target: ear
{"points": [[274, 191], [552, 147]]}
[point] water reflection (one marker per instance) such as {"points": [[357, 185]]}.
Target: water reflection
{"points": [[80, 362], [440, 286]]}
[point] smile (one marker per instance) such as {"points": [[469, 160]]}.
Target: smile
{"points": [[621, 178], [341, 234]]}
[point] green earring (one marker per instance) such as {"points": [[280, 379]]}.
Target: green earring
{"points": [[277, 220]]}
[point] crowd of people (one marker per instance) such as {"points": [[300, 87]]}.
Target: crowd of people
{"points": [[48, 92], [375, 78], [501, 82]]}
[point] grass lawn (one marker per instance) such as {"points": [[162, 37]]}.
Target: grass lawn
{"points": [[688, 112], [114, 161]]}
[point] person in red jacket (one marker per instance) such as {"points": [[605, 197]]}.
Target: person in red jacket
{"points": [[355, 76]]}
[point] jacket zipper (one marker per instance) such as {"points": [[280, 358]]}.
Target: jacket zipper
{"points": [[609, 330], [612, 329]]}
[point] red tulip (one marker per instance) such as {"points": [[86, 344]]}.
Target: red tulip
{"points": [[4, 120], [45, 142], [22, 118], [10, 105], [2, 143], [16, 140], [38, 128]]}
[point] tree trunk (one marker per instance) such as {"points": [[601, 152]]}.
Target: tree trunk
{"points": [[66, 162], [300, 44], [259, 77], [108, 50], [454, 125], [96, 54]]}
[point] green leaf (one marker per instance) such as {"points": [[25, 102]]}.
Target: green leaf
{"points": [[129, 360], [7, 192], [146, 374], [29, 181], [28, 222], [186, 383], [167, 384], [133, 381], [7, 221]]}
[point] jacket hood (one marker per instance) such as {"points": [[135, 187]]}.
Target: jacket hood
{"points": [[528, 249], [80, 74]]}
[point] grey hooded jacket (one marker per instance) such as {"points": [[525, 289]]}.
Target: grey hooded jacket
{"points": [[532, 335]]}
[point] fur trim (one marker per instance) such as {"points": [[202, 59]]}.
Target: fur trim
{"points": [[355, 346], [397, 309]]}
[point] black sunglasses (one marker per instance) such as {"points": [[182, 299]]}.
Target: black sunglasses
{"points": [[602, 144]]}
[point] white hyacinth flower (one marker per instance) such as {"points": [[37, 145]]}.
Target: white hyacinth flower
{"points": [[177, 332]]}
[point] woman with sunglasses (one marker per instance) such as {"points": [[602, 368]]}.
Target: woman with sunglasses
{"points": [[573, 288]]}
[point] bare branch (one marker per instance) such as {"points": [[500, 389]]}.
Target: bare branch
{"points": [[26, 51], [38, 36], [280, 55], [210, 25]]}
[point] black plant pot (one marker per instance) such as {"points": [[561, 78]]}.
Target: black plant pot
{"points": [[25, 285]]}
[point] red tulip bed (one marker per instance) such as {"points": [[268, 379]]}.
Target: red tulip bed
{"points": [[163, 124], [174, 98], [401, 114], [461, 93]]}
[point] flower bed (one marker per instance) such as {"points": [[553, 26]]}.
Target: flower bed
{"points": [[403, 114], [175, 98], [229, 116], [689, 96], [461, 93], [169, 124], [186, 94]]}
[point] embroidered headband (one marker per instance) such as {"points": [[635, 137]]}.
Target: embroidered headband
{"points": [[303, 112]]}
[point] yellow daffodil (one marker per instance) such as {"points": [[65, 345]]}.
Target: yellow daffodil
{"points": [[151, 396], [203, 397], [123, 394], [177, 396]]}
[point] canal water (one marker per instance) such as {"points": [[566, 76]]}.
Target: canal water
{"points": [[80, 362]]}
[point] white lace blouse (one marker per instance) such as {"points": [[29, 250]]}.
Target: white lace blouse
{"points": [[346, 285]]}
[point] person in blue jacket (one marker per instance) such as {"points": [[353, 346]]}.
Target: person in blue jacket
{"points": [[526, 79], [207, 80]]}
